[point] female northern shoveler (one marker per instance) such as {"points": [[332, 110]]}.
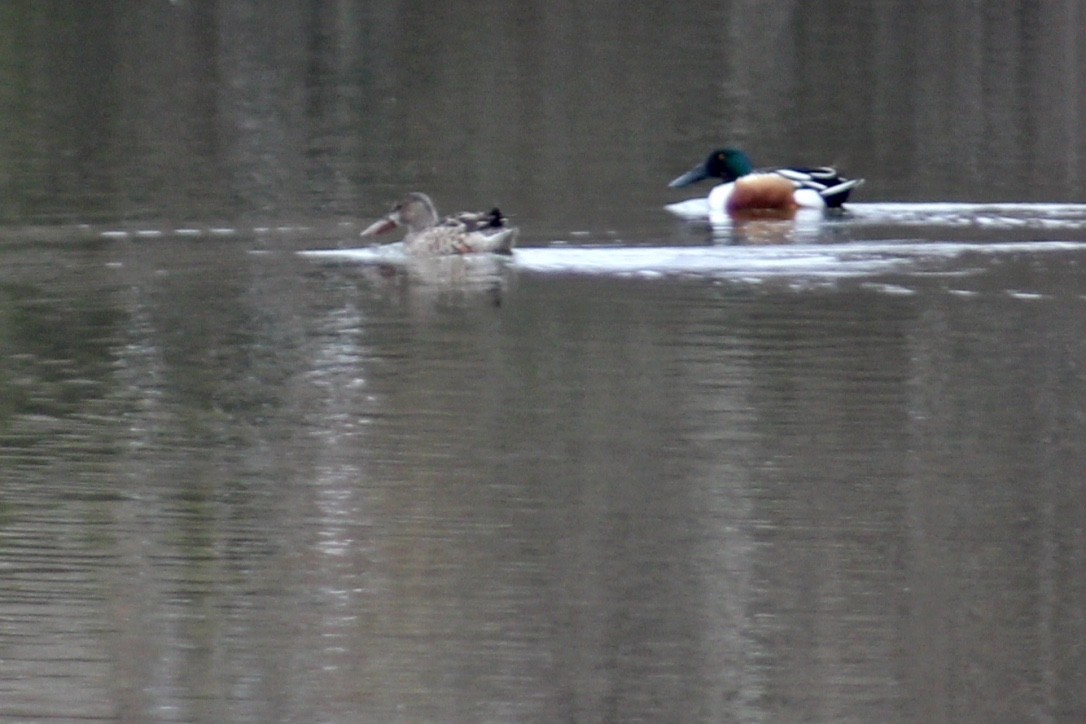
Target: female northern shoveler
{"points": [[777, 189], [463, 233]]}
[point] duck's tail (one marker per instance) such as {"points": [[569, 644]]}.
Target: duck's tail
{"points": [[836, 195], [504, 240]]}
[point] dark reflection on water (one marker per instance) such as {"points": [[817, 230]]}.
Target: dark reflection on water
{"points": [[244, 487], [571, 118]]}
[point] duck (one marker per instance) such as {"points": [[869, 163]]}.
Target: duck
{"points": [[782, 190], [462, 233]]}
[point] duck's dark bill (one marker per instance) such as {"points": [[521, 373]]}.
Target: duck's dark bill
{"points": [[698, 173]]}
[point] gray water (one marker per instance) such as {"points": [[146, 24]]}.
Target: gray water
{"points": [[651, 468]]}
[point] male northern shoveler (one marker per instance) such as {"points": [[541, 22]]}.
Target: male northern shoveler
{"points": [[463, 233], [777, 189]]}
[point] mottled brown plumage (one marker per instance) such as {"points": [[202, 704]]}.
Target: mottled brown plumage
{"points": [[463, 233]]}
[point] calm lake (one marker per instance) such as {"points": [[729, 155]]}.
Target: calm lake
{"points": [[652, 467]]}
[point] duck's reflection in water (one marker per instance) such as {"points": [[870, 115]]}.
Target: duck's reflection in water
{"points": [[802, 226], [428, 283]]}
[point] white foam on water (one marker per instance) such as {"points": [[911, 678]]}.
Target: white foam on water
{"points": [[961, 215], [730, 262]]}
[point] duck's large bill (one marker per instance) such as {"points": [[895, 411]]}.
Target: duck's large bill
{"points": [[698, 173], [379, 227]]}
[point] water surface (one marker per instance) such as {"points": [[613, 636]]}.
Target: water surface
{"points": [[654, 467]]}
